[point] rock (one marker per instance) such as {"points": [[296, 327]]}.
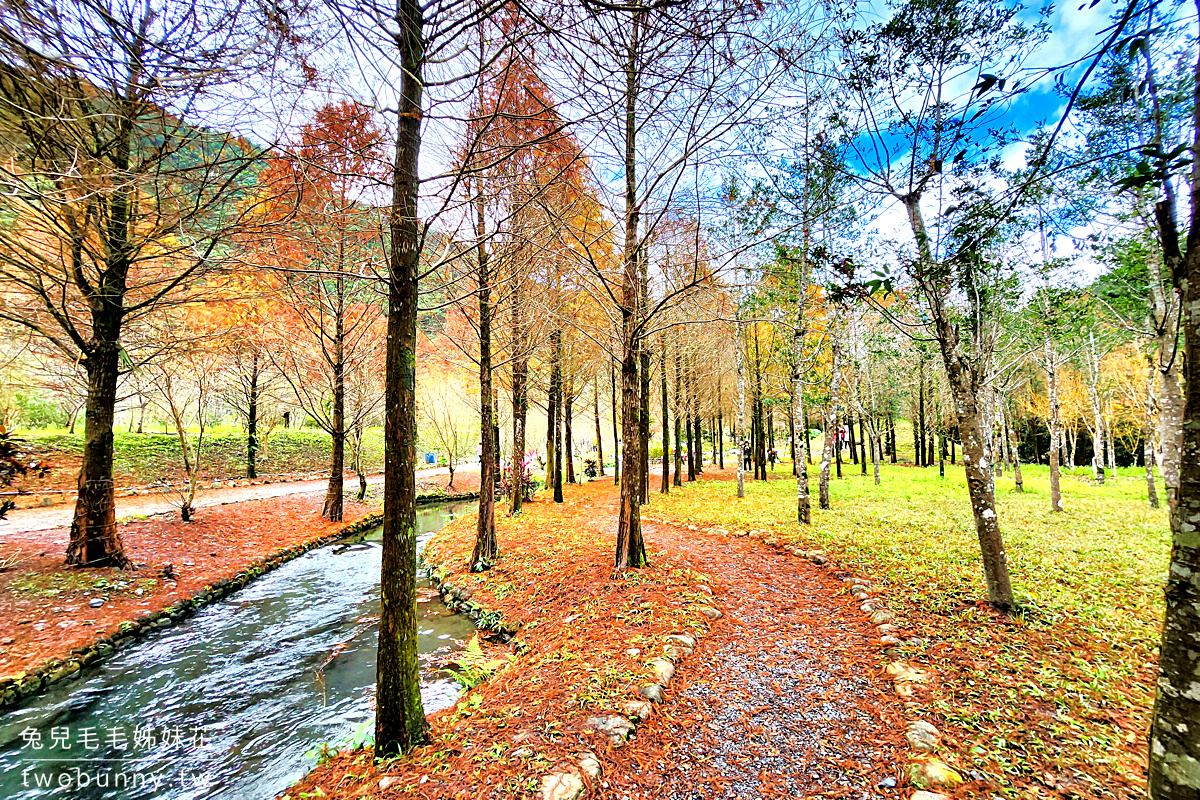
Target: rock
{"points": [[682, 639], [652, 692], [7, 640], [741, 533], [663, 669], [139, 591], [900, 671], [817, 558], [932, 774], [633, 652], [887, 783], [642, 709], [589, 764], [888, 641], [562, 786], [388, 781], [711, 613], [719, 532], [881, 616], [676, 653], [904, 690], [922, 737], [96, 602], [861, 596], [47, 501], [700, 587], [868, 607], [614, 726], [885, 629], [921, 794]]}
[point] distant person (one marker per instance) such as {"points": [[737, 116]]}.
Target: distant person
{"points": [[746, 455], [771, 456]]}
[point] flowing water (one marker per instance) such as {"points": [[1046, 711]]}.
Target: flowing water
{"points": [[228, 703]]}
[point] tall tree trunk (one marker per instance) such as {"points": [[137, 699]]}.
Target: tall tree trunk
{"points": [[830, 441], [631, 551], [520, 399], [486, 547], [332, 510], [1014, 448], [678, 421], [720, 429], [791, 421], [799, 415], [252, 420], [862, 445], [569, 443], [740, 418], [1148, 434], [556, 383], [964, 382], [551, 419], [599, 438], [644, 421], [1174, 772], [665, 488], [1097, 421], [851, 439], [400, 716], [837, 423], [612, 376], [892, 438], [1051, 367], [95, 540], [699, 438], [691, 449]]}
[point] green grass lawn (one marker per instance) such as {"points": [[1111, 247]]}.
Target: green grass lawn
{"points": [[1055, 697]]}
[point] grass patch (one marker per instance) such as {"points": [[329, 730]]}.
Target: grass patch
{"points": [[76, 583], [147, 458], [1057, 698]]}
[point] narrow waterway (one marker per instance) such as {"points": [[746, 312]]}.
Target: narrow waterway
{"points": [[228, 703]]}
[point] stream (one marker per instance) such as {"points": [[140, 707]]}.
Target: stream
{"points": [[228, 702]]}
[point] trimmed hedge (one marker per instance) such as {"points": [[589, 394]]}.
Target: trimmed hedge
{"points": [[148, 458]]}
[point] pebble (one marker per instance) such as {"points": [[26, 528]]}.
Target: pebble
{"points": [[682, 639], [887, 783], [562, 786], [589, 764], [663, 670], [614, 726], [388, 781], [96, 602], [712, 613], [922, 737], [642, 709], [922, 794], [633, 652], [932, 774], [881, 616], [652, 692]]}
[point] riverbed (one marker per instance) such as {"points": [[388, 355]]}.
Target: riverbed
{"points": [[235, 701]]}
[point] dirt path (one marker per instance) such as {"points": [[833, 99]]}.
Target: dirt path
{"points": [[783, 698], [59, 516]]}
